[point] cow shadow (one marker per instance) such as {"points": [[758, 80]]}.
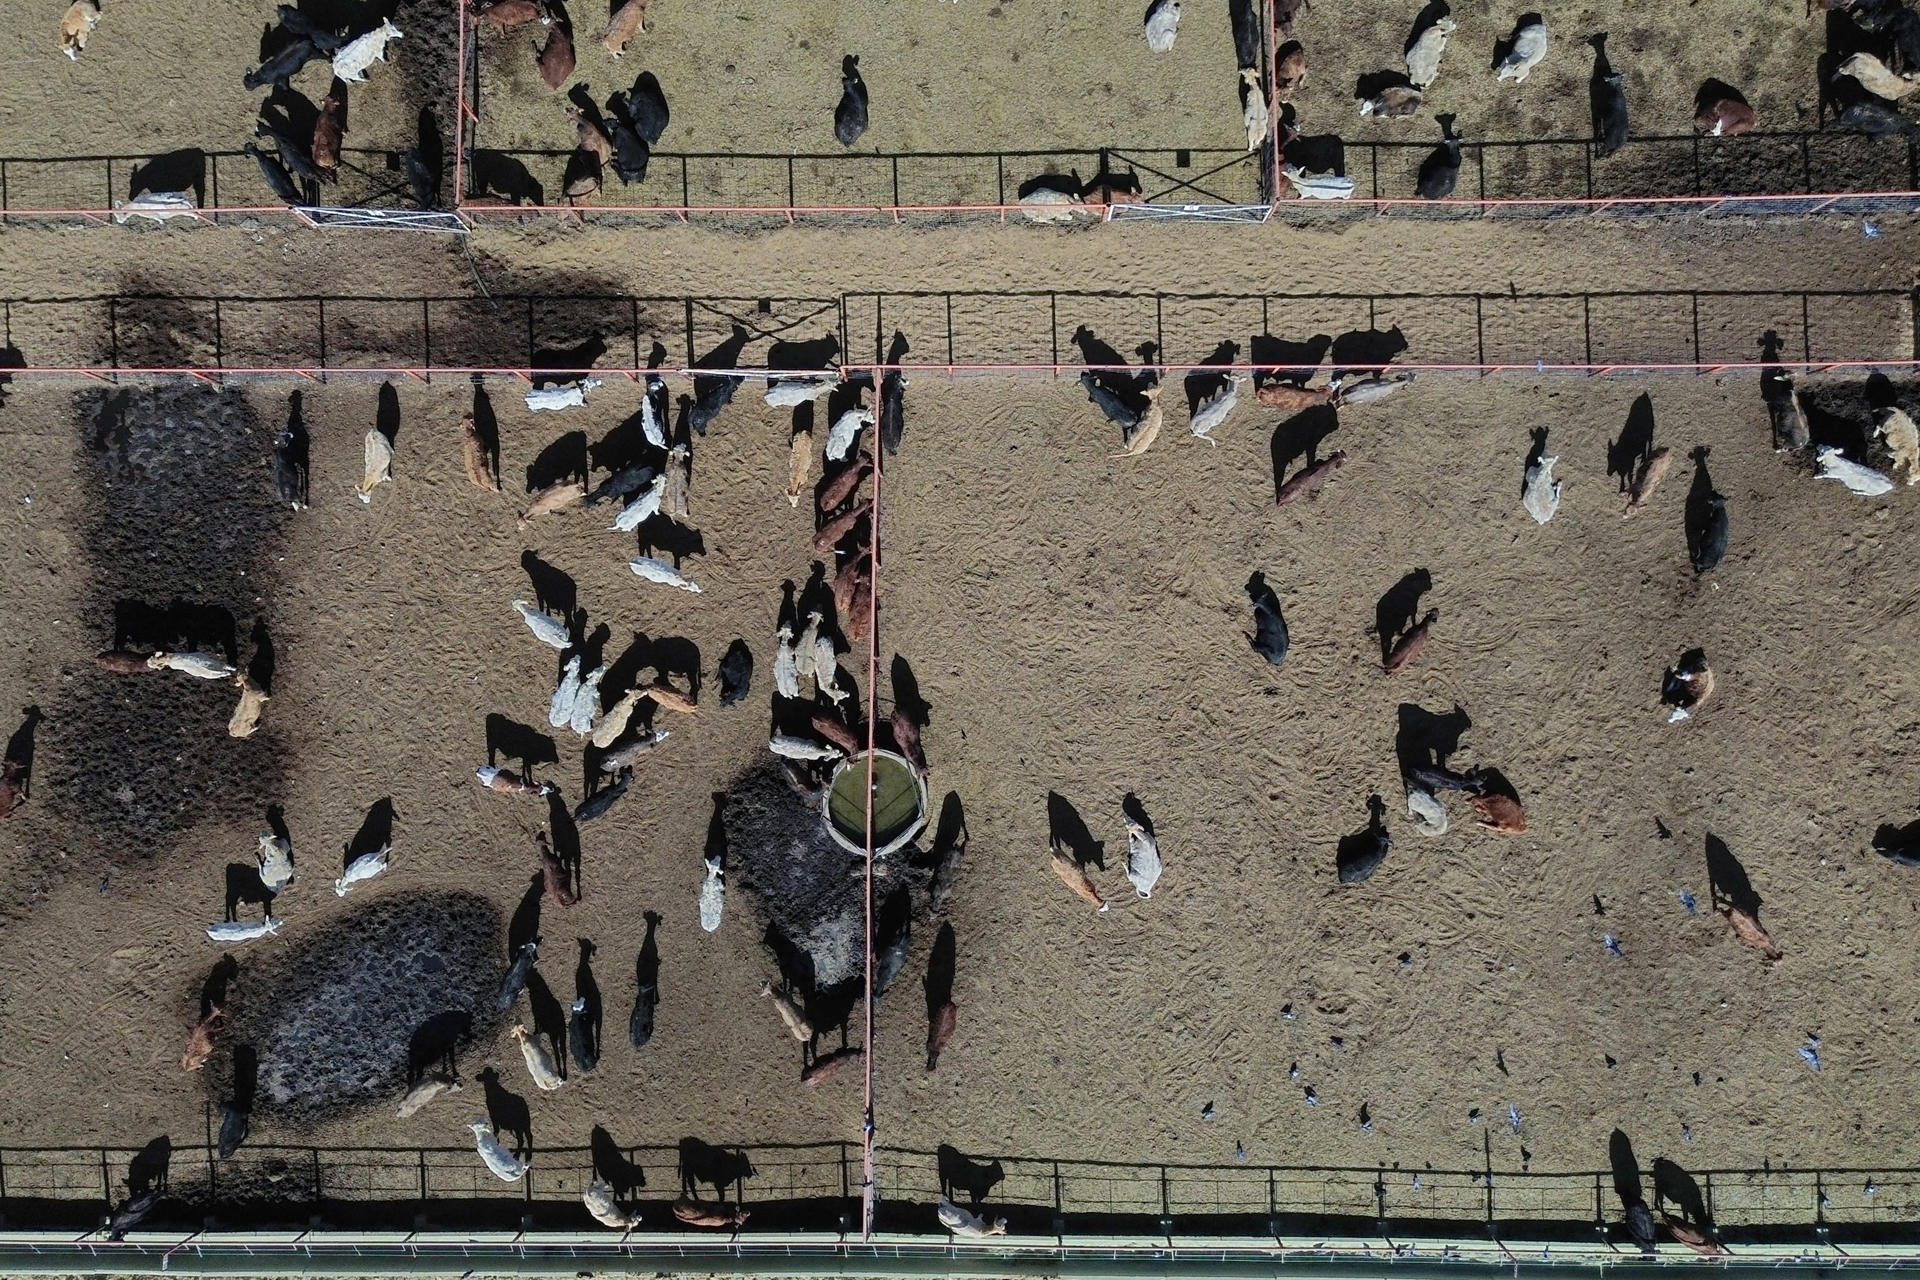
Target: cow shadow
{"points": [[1673, 1184], [1626, 1170], [1203, 383], [495, 173], [587, 988], [795, 963], [646, 975], [941, 963], [1283, 360], [808, 355], [611, 1165], [1372, 83], [1432, 12], [510, 740], [549, 1017], [565, 364], [376, 832], [566, 838], [1426, 738], [1625, 454], [1901, 843], [1355, 846], [386, 414], [702, 1162], [667, 539], [1299, 439], [181, 624], [507, 1112], [1067, 832], [524, 925], [260, 666], [907, 697], [1501, 48], [961, 1173], [1396, 610], [20, 748], [1096, 351], [245, 888], [1367, 351], [183, 170], [1699, 503], [147, 1171], [486, 426], [436, 1042], [562, 459], [1727, 879], [213, 989]]}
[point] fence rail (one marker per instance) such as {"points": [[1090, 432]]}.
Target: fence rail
{"points": [[815, 1186], [223, 184], [954, 332]]}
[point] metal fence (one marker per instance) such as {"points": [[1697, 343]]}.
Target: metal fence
{"points": [[1760, 174], [955, 332], [816, 1187], [223, 184]]}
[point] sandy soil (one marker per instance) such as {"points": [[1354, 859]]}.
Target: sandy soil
{"points": [[1076, 623], [187, 61], [740, 81]]}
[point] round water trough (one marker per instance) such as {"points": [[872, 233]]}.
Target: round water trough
{"points": [[899, 803]]}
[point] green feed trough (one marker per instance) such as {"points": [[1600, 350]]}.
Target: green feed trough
{"points": [[899, 803]]}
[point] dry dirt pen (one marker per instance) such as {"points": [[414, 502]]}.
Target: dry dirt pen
{"points": [[156, 103], [1051, 332]]}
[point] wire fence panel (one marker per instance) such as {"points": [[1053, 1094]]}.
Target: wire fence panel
{"points": [[815, 1187], [1008, 332], [221, 184]]}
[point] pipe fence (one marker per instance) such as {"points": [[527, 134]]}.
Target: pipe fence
{"points": [[951, 332], [1759, 174], [223, 184], [817, 1187]]}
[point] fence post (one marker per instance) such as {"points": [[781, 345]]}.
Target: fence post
{"points": [[633, 319], [1709, 1177], [1698, 358], [423, 1179], [1053, 326], [106, 1180], [323, 338], [314, 1152], [219, 347], [426, 340], [213, 178]]}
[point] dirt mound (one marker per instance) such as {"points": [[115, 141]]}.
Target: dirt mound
{"points": [[344, 1014], [809, 888]]}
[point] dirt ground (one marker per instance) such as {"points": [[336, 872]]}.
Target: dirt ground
{"points": [[1076, 623], [187, 62], [1043, 76]]}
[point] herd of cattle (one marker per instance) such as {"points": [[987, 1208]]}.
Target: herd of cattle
{"points": [[652, 493]]}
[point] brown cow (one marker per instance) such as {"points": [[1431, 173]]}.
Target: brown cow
{"points": [[1500, 814], [940, 1030], [553, 872], [1074, 876], [1306, 482], [1409, 646], [200, 1039], [629, 21]]}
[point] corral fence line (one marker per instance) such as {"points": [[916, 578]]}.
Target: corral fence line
{"points": [[1770, 173], [225, 184], [1763, 174], [1056, 333], [817, 1186]]}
